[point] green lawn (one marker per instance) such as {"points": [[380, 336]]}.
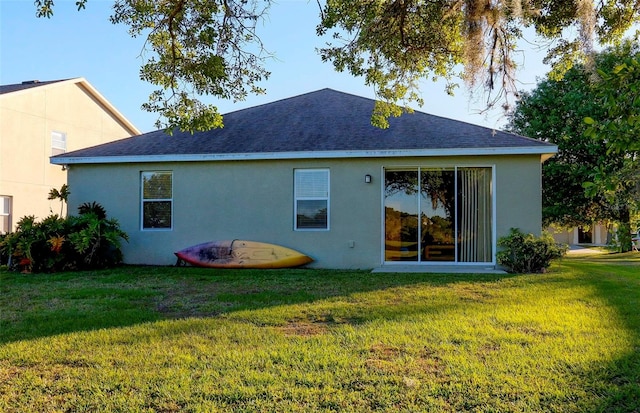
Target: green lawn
{"points": [[149, 339]]}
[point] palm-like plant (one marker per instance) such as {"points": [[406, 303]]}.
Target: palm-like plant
{"points": [[61, 194]]}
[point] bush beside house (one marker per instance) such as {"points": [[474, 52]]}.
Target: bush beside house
{"points": [[526, 253], [87, 241]]}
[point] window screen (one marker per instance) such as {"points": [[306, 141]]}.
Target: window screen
{"points": [[5, 214], [311, 199], [58, 143]]}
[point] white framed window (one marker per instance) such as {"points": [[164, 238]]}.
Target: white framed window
{"points": [[58, 143], [311, 204], [5, 214], [157, 200]]}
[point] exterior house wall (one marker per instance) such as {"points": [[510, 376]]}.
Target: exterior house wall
{"points": [[519, 195], [27, 119], [254, 200]]}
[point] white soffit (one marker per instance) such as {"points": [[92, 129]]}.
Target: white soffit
{"points": [[546, 152]]}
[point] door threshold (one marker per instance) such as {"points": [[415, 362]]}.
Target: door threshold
{"points": [[439, 269]]}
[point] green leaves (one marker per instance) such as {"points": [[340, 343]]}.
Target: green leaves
{"points": [[393, 46], [86, 241], [62, 195], [619, 93], [196, 49], [44, 8], [526, 253], [396, 45], [183, 112], [595, 173]]}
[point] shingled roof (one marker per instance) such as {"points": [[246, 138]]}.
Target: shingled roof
{"points": [[25, 85], [321, 124]]}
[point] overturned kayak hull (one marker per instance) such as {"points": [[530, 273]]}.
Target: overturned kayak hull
{"points": [[242, 254]]}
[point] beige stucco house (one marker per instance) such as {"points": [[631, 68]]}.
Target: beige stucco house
{"points": [[311, 173], [41, 119]]}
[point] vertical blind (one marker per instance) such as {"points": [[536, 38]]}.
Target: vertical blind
{"points": [[312, 183], [474, 215]]}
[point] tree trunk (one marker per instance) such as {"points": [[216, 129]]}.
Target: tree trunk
{"points": [[624, 230]]}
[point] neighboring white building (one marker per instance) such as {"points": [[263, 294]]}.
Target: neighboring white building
{"points": [[596, 234]]}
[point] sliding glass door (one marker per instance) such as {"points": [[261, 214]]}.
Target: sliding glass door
{"points": [[438, 215], [401, 216]]}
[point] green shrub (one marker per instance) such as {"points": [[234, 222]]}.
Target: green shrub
{"points": [[95, 238], [527, 253], [86, 241]]}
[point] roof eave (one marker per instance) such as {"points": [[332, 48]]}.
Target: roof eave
{"points": [[116, 113], [545, 152]]}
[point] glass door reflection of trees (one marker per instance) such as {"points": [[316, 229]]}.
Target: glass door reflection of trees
{"points": [[438, 215]]}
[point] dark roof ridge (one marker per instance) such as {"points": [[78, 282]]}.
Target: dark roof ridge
{"points": [[281, 100], [29, 84]]}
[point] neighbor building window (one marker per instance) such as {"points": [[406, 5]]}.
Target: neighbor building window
{"points": [[157, 200], [58, 143], [5, 214], [311, 199]]}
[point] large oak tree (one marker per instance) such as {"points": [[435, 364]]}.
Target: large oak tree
{"points": [[594, 177], [211, 47]]}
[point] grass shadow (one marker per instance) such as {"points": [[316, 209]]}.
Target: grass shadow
{"points": [[42, 305]]}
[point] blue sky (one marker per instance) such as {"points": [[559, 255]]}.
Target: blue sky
{"points": [[85, 44]]}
